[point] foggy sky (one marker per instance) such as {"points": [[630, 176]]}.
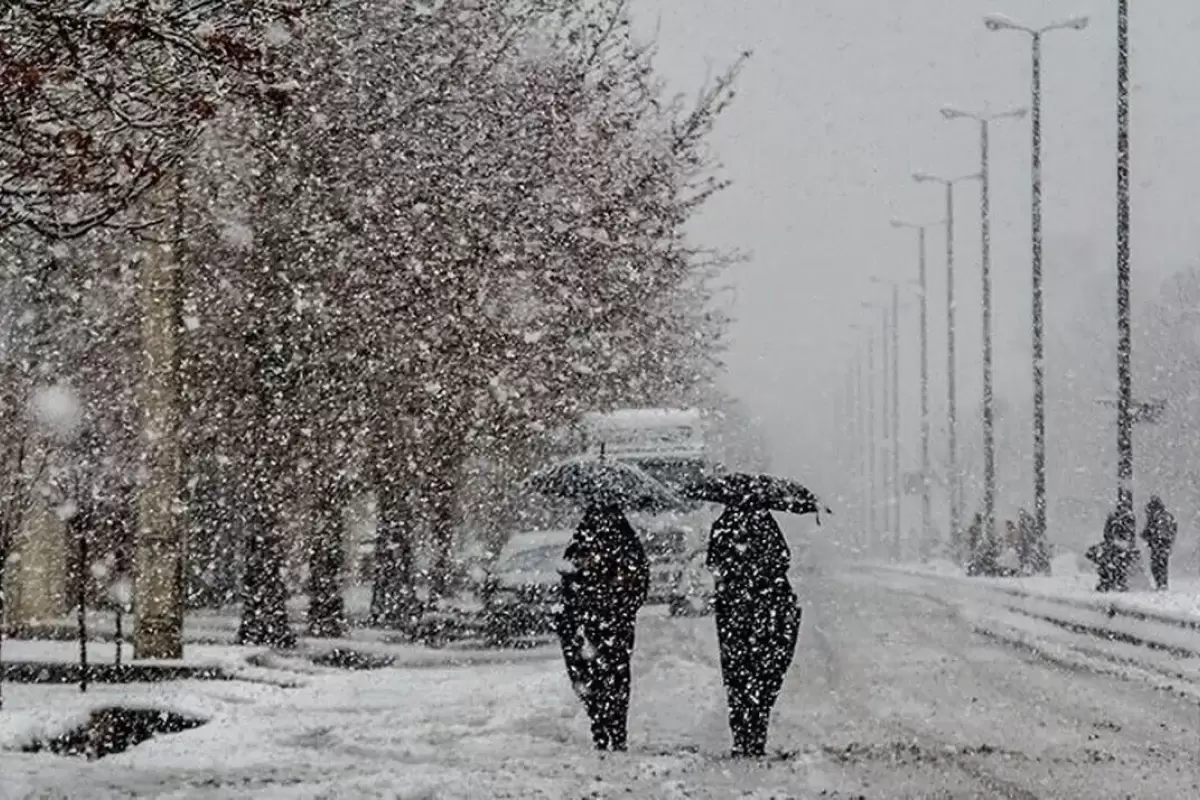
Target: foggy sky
{"points": [[838, 106]]}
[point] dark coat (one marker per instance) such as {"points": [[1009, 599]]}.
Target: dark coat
{"points": [[611, 573], [758, 619], [748, 555], [1161, 528], [603, 587]]}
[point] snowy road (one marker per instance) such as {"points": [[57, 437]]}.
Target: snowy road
{"points": [[893, 694]]}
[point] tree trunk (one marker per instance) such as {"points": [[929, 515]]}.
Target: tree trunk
{"points": [[158, 580], [326, 558], [264, 595], [393, 597], [441, 531]]}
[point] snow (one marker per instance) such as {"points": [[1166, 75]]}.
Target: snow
{"points": [[1181, 600], [57, 409], [516, 730], [888, 698]]}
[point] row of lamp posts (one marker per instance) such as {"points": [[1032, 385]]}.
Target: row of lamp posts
{"points": [[1125, 409]]}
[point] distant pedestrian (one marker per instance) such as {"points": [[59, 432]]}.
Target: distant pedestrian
{"points": [[604, 584], [1159, 534], [758, 619], [1116, 552]]}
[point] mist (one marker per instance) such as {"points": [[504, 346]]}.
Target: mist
{"points": [[838, 106]]}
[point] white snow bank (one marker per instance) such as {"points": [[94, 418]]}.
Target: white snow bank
{"points": [[1180, 604]]}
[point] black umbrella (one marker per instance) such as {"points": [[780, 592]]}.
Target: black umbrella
{"points": [[759, 491], [601, 482]]}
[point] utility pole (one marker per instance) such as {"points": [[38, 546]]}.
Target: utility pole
{"points": [[996, 22], [954, 483], [985, 269], [889, 487], [892, 409], [897, 492], [1124, 346], [926, 506], [873, 494]]}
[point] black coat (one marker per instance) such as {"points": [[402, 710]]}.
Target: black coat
{"points": [[747, 555], [1160, 528], [609, 573]]}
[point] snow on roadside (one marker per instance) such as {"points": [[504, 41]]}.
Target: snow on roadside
{"points": [[496, 730], [1181, 601]]}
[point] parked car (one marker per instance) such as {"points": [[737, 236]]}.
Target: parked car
{"points": [[521, 593], [667, 551], [693, 591]]}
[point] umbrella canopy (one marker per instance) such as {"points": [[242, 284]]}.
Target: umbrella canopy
{"points": [[601, 482], [760, 491]]}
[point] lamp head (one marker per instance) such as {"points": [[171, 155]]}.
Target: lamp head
{"points": [[999, 22]]}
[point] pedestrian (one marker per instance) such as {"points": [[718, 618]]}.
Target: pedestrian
{"points": [[1116, 553], [605, 581], [758, 618], [1159, 534]]}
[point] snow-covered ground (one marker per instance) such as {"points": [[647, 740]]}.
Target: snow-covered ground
{"points": [[895, 692], [1068, 580]]}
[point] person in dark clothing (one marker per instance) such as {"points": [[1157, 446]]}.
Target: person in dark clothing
{"points": [[1159, 534], [758, 619], [1116, 553], [603, 587]]}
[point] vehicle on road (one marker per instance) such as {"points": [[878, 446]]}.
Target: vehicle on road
{"points": [[521, 592]]}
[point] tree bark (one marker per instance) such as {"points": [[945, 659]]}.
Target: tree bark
{"points": [[442, 517], [158, 580], [264, 595], [393, 597], [326, 559]]}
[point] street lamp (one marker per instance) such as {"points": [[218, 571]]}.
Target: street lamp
{"points": [[998, 22], [897, 493], [926, 511], [951, 371], [985, 270], [867, 382], [1124, 375], [888, 484]]}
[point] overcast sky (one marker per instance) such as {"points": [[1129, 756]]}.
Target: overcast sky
{"points": [[840, 104]]}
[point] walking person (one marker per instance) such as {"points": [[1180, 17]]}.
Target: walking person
{"points": [[1116, 554], [757, 616], [604, 584], [1159, 534]]}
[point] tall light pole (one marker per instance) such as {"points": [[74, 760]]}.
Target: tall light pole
{"points": [[866, 379], [871, 444], [984, 121], [888, 487], [1124, 376], [998, 22], [860, 440], [897, 491], [926, 509], [955, 481]]}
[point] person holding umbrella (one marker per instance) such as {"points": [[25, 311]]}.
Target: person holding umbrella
{"points": [[757, 613], [605, 580]]}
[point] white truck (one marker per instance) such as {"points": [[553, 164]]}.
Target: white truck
{"points": [[671, 445]]}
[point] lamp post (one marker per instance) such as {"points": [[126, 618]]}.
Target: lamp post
{"points": [[998, 22], [889, 432], [870, 445], [1124, 376], [955, 482], [926, 510], [894, 410], [984, 120]]}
